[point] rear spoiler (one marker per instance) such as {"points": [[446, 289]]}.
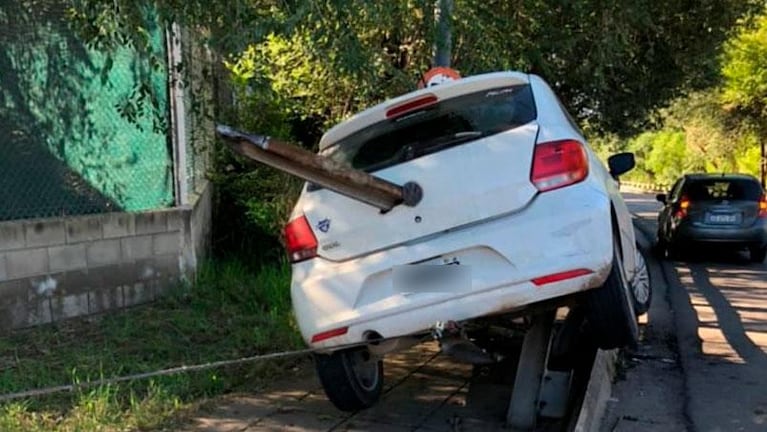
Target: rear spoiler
{"points": [[321, 170]]}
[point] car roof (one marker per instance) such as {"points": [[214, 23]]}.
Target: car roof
{"points": [[446, 90], [722, 176]]}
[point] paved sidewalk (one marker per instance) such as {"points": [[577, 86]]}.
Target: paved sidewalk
{"points": [[424, 391]]}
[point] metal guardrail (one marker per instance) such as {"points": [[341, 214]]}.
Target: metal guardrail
{"points": [[646, 187]]}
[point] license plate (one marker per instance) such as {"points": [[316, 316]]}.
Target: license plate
{"points": [[722, 218], [432, 278]]}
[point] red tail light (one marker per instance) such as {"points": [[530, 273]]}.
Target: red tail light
{"points": [[300, 240], [681, 211], [763, 206], [558, 164]]}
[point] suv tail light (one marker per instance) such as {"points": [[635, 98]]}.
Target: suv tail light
{"points": [[681, 211], [300, 240], [558, 164], [763, 206]]}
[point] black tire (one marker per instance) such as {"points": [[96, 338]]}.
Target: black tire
{"points": [[352, 378], [661, 247], [610, 310], [641, 285], [675, 251], [758, 254]]}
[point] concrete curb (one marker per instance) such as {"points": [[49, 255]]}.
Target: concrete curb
{"points": [[598, 392], [600, 385]]}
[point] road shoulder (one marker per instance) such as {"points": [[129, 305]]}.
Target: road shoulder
{"points": [[648, 393]]}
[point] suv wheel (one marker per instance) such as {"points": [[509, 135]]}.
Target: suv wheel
{"points": [[660, 245], [352, 378], [758, 254], [610, 309]]}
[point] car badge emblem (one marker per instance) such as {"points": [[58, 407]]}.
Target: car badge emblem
{"points": [[324, 225]]}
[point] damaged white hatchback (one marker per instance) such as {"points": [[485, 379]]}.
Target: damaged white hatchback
{"points": [[509, 212]]}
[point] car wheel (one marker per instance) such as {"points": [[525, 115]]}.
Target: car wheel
{"points": [[758, 254], [610, 310], [352, 378], [641, 285]]}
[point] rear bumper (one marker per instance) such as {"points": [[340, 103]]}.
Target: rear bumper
{"points": [[557, 232], [754, 235]]}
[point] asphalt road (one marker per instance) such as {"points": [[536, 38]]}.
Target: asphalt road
{"points": [[702, 365]]}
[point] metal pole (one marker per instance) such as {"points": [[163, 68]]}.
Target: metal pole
{"points": [[325, 172], [178, 115], [444, 43]]}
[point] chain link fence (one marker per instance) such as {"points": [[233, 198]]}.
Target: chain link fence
{"points": [[81, 131]]}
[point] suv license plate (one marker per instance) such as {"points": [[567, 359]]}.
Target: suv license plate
{"points": [[722, 218]]}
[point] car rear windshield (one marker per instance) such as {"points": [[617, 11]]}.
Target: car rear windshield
{"points": [[446, 124], [723, 189]]}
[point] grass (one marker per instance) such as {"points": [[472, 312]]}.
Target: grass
{"points": [[230, 312]]}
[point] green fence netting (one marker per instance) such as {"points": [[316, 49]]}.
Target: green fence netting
{"points": [[73, 137]]}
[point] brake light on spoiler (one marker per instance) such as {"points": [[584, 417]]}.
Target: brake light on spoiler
{"points": [[411, 105]]}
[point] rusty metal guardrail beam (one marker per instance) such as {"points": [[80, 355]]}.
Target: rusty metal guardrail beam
{"points": [[320, 170]]}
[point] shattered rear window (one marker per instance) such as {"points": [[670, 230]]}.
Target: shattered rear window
{"points": [[446, 124]]}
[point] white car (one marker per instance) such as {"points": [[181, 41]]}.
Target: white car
{"points": [[516, 211]]}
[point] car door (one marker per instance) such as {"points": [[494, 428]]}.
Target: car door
{"points": [[664, 218]]}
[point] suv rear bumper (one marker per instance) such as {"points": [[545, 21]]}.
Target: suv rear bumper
{"points": [[557, 232], [753, 235]]}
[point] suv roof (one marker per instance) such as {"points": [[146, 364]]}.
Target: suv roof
{"points": [[724, 176]]}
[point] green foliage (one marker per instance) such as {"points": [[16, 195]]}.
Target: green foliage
{"points": [[612, 62], [667, 159], [301, 66], [745, 67], [698, 135]]}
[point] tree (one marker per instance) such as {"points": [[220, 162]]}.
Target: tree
{"points": [[611, 63], [745, 77]]}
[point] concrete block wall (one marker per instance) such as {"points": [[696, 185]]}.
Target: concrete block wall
{"points": [[52, 269]]}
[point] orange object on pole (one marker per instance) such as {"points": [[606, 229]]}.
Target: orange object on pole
{"points": [[438, 75]]}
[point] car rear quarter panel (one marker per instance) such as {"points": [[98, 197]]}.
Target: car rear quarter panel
{"points": [[554, 125]]}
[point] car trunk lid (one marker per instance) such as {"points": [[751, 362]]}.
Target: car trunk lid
{"points": [[724, 202], [471, 154]]}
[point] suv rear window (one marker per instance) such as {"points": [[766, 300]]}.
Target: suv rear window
{"points": [[723, 189], [448, 123]]}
